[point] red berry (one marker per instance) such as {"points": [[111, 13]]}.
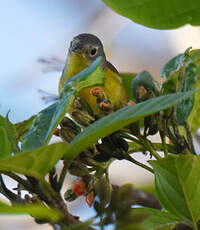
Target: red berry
{"points": [[79, 188]]}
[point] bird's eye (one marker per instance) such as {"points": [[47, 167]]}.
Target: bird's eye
{"points": [[93, 51]]}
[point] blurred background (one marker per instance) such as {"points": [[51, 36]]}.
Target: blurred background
{"points": [[38, 30]]}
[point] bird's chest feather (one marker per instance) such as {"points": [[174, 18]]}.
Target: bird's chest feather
{"points": [[113, 88]]}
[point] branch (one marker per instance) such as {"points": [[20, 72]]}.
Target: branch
{"points": [[143, 198]]}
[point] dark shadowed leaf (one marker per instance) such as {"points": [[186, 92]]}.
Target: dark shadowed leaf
{"points": [[145, 80]]}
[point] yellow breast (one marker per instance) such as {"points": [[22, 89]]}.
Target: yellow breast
{"points": [[113, 87]]}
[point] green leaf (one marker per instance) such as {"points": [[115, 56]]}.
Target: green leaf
{"points": [[48, 119], [82, 226], [152, 219], [12, 135], [172, 72], [121, 118], [165, 14], [181, 74], [35, 210], [6, 139], [22, 127], [36, 163], [172, 66], [194, 117], [36, 136], [127, 79], [177, 181]]}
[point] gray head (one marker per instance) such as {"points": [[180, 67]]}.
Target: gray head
{"points": [[88, 45]]}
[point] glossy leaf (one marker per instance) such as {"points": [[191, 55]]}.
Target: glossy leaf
{"points": [[127, 79], [36, 163], [152, 219], [165, 14], [177, 181], [48, 119], [121, 118], [35, 210]]}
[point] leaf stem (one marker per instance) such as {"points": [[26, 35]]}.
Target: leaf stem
{"points": [[189, 137], [163, 139], [129, 158], [21, 181], [129, 137], [147, 144], [62, 175]]}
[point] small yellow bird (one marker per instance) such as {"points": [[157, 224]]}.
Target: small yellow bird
{"points": [[84, 49]]}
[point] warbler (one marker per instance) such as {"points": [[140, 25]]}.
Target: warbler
{"points": [[83, 50]]}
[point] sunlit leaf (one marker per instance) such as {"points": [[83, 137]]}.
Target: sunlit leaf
{"points": [[194, 117], [22, 127], [12, 135], [35, 210], [165, 14], [6, 137], [36, 163], [152, 219], [178, 186], [181, 74]]}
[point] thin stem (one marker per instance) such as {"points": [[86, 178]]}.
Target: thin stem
{"points": [[195, 226], [21, 181], [9, 194], [189, 137], [131, 138], [147, 144], [62, 175], [163, 139], [157, 147], [129, 158]]}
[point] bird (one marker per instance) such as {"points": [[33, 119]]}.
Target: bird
{"points": [[83, 51]]}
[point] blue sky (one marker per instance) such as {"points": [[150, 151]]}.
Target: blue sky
{"points": [[34, 28]]}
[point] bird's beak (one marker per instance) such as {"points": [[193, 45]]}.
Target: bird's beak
{"points": [[75, 49]]}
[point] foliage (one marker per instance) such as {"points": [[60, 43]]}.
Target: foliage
{"points": [[165, 14], [89, 144]]}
